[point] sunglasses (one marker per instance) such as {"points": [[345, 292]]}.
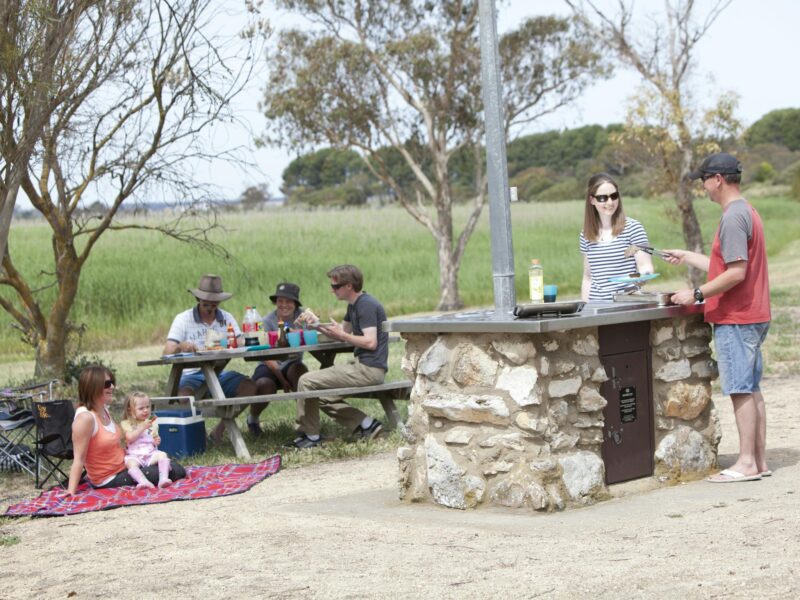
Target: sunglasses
{"points": [[108, 383], [336, 286], [603, 198], [708, 176]]}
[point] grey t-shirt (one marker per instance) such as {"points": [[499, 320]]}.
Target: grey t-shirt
{"points": [[368, 312], [735, 231]]}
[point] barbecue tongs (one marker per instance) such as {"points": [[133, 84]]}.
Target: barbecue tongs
{"points": [[631, 250]]}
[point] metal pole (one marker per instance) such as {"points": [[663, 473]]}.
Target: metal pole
{"points": [[497, 169]]}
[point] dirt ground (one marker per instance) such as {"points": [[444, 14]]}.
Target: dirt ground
{"points": [[337, 530]]}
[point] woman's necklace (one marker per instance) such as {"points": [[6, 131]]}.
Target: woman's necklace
{"points": [[105, 416]]}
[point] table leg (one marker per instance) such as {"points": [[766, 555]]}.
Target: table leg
{"points": [[325, 357], [392, 414], [237, 440], [173, 380], [215, 389]]}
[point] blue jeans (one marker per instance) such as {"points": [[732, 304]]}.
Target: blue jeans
{"points": [[738, 350], [230, 381]]}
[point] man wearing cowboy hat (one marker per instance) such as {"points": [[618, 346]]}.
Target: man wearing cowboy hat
{"points": [[188, 333], [272, 375]]}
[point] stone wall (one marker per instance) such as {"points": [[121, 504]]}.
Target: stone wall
{"points": [[687, 428], [517, 419]]}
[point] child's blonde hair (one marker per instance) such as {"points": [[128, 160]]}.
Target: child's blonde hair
{"points": [[130, 400]]}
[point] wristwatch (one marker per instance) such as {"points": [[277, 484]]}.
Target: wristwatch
{"points": [[698, 295]]}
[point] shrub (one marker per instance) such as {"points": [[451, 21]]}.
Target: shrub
{"points": [[764, 172]]}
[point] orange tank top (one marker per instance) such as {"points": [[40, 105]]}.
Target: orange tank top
{"points": [[105, 456]]}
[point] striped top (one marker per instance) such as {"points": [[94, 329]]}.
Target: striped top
{"points": [[607, 259]]}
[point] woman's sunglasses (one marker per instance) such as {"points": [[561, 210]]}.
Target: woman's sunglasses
{"points": [[108, 383], [603, 198]]}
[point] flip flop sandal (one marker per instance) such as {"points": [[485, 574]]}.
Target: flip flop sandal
{"points": [[733, 476]]}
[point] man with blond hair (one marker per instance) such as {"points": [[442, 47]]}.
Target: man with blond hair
{"points": [[362, 327]]}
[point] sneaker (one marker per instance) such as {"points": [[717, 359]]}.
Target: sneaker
{"points": [[302, 441], [371, 432], [254, 428]]}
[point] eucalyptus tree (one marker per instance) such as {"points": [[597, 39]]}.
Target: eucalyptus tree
{"points": [[102, 102], [666, 126], [404, 75]]}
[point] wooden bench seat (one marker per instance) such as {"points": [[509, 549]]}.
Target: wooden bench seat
{"points": [[386, 393]]}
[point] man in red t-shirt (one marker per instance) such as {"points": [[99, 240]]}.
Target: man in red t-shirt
{"points": [[736, 299]]}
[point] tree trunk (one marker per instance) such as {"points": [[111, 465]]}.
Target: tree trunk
{"points": [[692, 234], [51, 357], [51, 344], [448, 279]]}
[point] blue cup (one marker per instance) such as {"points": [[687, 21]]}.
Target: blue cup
{"points": [[550, 293], [294, 338], [310, 337]]}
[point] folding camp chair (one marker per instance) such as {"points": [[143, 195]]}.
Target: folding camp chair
{"points": [[53, 438], [14, 429], [17, 424]]}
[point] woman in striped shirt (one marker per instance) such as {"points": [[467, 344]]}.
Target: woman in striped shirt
{"points": [[606, 234]]}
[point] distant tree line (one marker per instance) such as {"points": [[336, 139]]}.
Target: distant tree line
{"points": [[548, 166]]}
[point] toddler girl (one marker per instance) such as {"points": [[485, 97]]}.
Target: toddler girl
{"points": [[141, 434]]}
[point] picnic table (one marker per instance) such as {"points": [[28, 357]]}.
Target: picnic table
{"points": [[213, 362]]}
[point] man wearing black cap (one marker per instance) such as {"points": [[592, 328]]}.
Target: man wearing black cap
{"points": [[272, 375], [189, 332], [736, 298]]}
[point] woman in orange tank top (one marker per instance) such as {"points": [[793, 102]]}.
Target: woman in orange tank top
{"points": [[97, 439]]}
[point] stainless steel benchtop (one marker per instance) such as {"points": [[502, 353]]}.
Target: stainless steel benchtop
{"points": [[593, 314]]}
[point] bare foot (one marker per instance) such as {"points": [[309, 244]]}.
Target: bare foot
{"points": [[164, 483], [145, 485]]}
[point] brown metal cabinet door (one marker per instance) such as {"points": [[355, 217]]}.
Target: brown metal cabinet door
{"points": [[627, 436]]}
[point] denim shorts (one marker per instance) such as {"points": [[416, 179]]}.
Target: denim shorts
{"points": [[738, 353], [230, 380]]}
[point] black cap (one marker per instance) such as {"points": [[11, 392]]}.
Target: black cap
{"points": [[287, 290], [721, 162]]}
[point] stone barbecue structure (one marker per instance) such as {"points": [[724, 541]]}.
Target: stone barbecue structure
{"points": [[542, 414]]}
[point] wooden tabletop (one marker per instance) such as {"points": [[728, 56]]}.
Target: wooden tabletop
{"points": [[207, 356]]}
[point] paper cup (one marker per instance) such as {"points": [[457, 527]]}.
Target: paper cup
{"points": [[294, 338]]}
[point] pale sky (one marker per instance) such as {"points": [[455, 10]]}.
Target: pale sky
{"points": [[751, 50]]}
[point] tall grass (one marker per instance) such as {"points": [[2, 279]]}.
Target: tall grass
{"points": [[135, 282]]}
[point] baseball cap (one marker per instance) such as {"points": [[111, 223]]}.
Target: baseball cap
{"points": [[721, 162]]}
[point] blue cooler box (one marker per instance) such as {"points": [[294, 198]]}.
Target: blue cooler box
{"points": [[182, 432]]}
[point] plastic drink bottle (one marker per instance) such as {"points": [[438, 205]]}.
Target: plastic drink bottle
{"points": [[536, 281], [250, 327], [231, 337]]}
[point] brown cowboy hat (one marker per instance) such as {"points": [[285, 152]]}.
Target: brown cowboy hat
{"points": [[210, 288], [287, 290]]}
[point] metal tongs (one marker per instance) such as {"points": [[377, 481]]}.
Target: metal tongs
{"points": [[633, 249]]}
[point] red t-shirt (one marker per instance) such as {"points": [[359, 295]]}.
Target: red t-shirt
{"points": [[748, 301]]}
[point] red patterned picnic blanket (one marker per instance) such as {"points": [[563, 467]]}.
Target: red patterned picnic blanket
{"points": [[200, 482]]}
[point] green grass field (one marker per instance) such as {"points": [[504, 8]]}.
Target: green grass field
{"points": [[135, 282]]}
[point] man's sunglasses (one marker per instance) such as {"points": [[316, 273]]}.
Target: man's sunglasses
{"points": [[708, 176], [336, 286], [108, 383], [603, 198]]}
